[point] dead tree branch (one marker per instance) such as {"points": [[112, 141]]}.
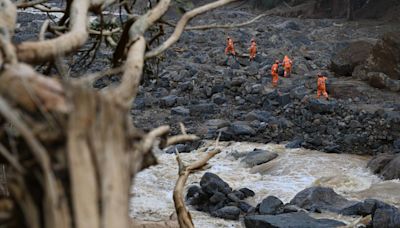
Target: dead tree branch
{"points": [[42, 51], [228, 26], [184, 217], [181, 26]]}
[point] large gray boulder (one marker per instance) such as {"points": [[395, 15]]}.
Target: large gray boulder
{"points": [[386, 165], [320, 199], [344, 62], [297, 219], [258, 157]]}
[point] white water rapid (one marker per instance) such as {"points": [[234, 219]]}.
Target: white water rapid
{"points": [[293, 171]]}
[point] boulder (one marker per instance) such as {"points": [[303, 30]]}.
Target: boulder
{"points": [[257, 157], [386, 216], [321, 106], [320, 199], [294, 144], [211, 183], [240, 128], [270, 206], [392, 169], [180, 111], [182, 148], [284, 99], [379, 162], [344, 62], [297, 219], [245, 207], [262, 116], [168, 101], [228, 212], [381, 81], [247, 192], [201, 109], [385, 56]]}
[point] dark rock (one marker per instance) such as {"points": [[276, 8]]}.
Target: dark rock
{"points": [[320, 199], [200, 58], [292, 208], [247, 192], [180, 111], [294, 144], [288, 220], [385, 56], [240, 195], [218, 99], [233, 197], [284, 99], [321, 106], [386, 216], [261, 116], [361, 208], [217, 197], [379, 162], [182, 148], [344, 62], [392, 169], [271, 206], [242, 128], [168, 101], [298, 92], [396, 144], [245, 207], [228, 212], [201, 109], [211, 183], [258, 157], [192, 191]]}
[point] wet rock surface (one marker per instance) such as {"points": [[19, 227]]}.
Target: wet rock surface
{"points": [[297, 219], [216, 197], [386, 165], [320, 199]]}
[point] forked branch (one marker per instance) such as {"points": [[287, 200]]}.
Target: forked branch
{"points": [[184, 217]]}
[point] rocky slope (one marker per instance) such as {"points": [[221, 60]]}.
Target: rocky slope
{"points": [[197, 87]]}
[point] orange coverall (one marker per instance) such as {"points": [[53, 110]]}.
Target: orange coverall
{"points": [[229, 47], [287, 65], [322, 87], [274, 73], [253, 50]]}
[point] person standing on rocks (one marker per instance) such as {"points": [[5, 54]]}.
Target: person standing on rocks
{"points": [[321, 86], [274, 73], [287, 66], [253, 49], [229, 50]]}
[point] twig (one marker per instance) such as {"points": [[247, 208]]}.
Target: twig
{"points": [[90, 78], [43, 29], [181, 138], [26, 4], [11, 159], [181, 26], [234, 25]]}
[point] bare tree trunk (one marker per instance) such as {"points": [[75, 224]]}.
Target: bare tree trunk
{"points": [[73, 151]]}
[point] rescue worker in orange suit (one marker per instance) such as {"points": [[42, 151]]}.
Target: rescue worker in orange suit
{"points": [[253, 49], [274, 73], [287, 66], [229, 47], [321, 86]]}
